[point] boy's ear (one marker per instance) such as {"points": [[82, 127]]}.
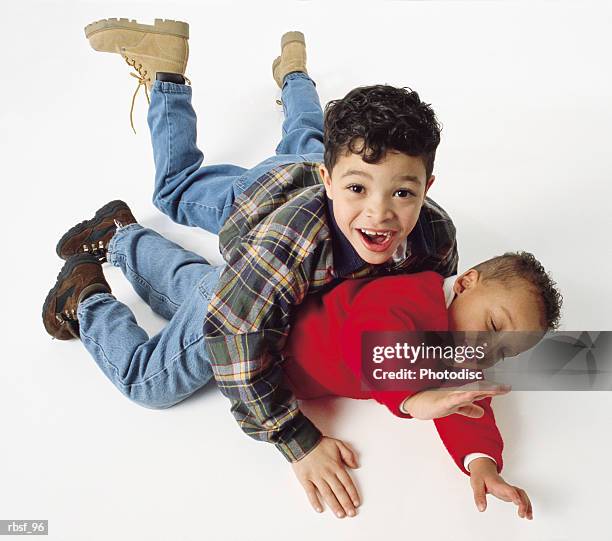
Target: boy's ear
{"points": [[466, 281], [326, 180], [429, 183]]}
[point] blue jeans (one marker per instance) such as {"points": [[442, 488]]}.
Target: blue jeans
{"points": [[177, 284], [202, 196], [160, 371]]}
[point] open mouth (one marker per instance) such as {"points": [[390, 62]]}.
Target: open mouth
{"points": [[376, 240]]}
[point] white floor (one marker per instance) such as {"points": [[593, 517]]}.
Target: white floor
{"points": [[523, 90]]}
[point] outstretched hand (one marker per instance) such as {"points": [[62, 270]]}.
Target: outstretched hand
{"points": [[322, 473], [436, 403], [485, 480]]}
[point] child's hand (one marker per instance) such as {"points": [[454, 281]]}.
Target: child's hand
{"points": [[436, 403], [322, 473], [485, 479]]}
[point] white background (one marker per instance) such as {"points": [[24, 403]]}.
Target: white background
{"points": [[523, 90]]}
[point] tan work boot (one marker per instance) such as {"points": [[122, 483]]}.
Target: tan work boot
{"points": [[292, 58], [161, 46]]}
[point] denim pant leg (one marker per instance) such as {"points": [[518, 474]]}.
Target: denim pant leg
{"points": [[202, 196], [161, 272], [302, 130], [303, 125], [163, 370], [184, 190]]}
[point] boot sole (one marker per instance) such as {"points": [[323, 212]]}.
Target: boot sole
{"points": [[63, 273], [160, 26], [109, 208]]}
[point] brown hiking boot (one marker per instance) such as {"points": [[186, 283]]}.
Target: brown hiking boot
{"points": [[92, 236], [292, 58], [147, 48], [80, 277]]}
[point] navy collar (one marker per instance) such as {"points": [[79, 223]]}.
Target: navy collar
{"points": [[346, 258]]}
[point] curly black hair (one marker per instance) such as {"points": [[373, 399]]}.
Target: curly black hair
{"points": [[523, 265], [370, 120]]}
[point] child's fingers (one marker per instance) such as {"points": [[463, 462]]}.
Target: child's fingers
{"points": [[472, 396], [502, 490], [350, 487], [484, 386], [329, 495], [329, 498], [480, 497], [529, 506], [462, 398], [313, 497], [525, 510], [348, 455], [471, 410], [342, 494], [516, 495]]}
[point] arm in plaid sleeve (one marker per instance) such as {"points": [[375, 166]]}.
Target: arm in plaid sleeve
{"points": [[448, 265], [246, 328], [441, 235]]}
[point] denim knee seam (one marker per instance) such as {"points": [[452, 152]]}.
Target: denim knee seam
{"points": [[118, 258], [165, 201], [137, 278], [148, 379], [170, 134]]}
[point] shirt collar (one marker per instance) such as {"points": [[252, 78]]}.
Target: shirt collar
{"points": [[449, 292], [401, 252]]}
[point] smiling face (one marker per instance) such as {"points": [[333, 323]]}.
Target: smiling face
{"points": [[376, 206]]}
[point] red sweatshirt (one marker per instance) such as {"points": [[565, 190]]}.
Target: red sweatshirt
{"points": [[323, 352]]}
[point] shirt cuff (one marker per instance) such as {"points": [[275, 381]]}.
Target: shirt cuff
{"points": [[394, 402], [474, 456], [304, 438]]}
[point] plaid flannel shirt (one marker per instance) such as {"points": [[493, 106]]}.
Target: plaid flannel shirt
{"points": [[277, 243]]}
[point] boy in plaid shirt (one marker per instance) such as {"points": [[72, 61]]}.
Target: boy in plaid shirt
{"points": [[344, 198]]}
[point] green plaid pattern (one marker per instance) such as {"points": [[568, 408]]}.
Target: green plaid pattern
{"points": [[278, 247]]}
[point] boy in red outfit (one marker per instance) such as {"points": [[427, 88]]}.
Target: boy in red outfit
{"points": [[504, 294]]}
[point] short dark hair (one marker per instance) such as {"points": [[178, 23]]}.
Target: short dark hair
{"points": [[523, 265], [381, 118]]}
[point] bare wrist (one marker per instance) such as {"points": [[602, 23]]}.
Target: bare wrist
{"points": [[405, 405], [482, 464]]}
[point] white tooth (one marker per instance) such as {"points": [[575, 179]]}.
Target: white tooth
{"points": [[368, 232]]}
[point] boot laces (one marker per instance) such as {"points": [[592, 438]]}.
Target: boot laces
{"points": [[68, 319], [98, 250], [142, 76]]}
